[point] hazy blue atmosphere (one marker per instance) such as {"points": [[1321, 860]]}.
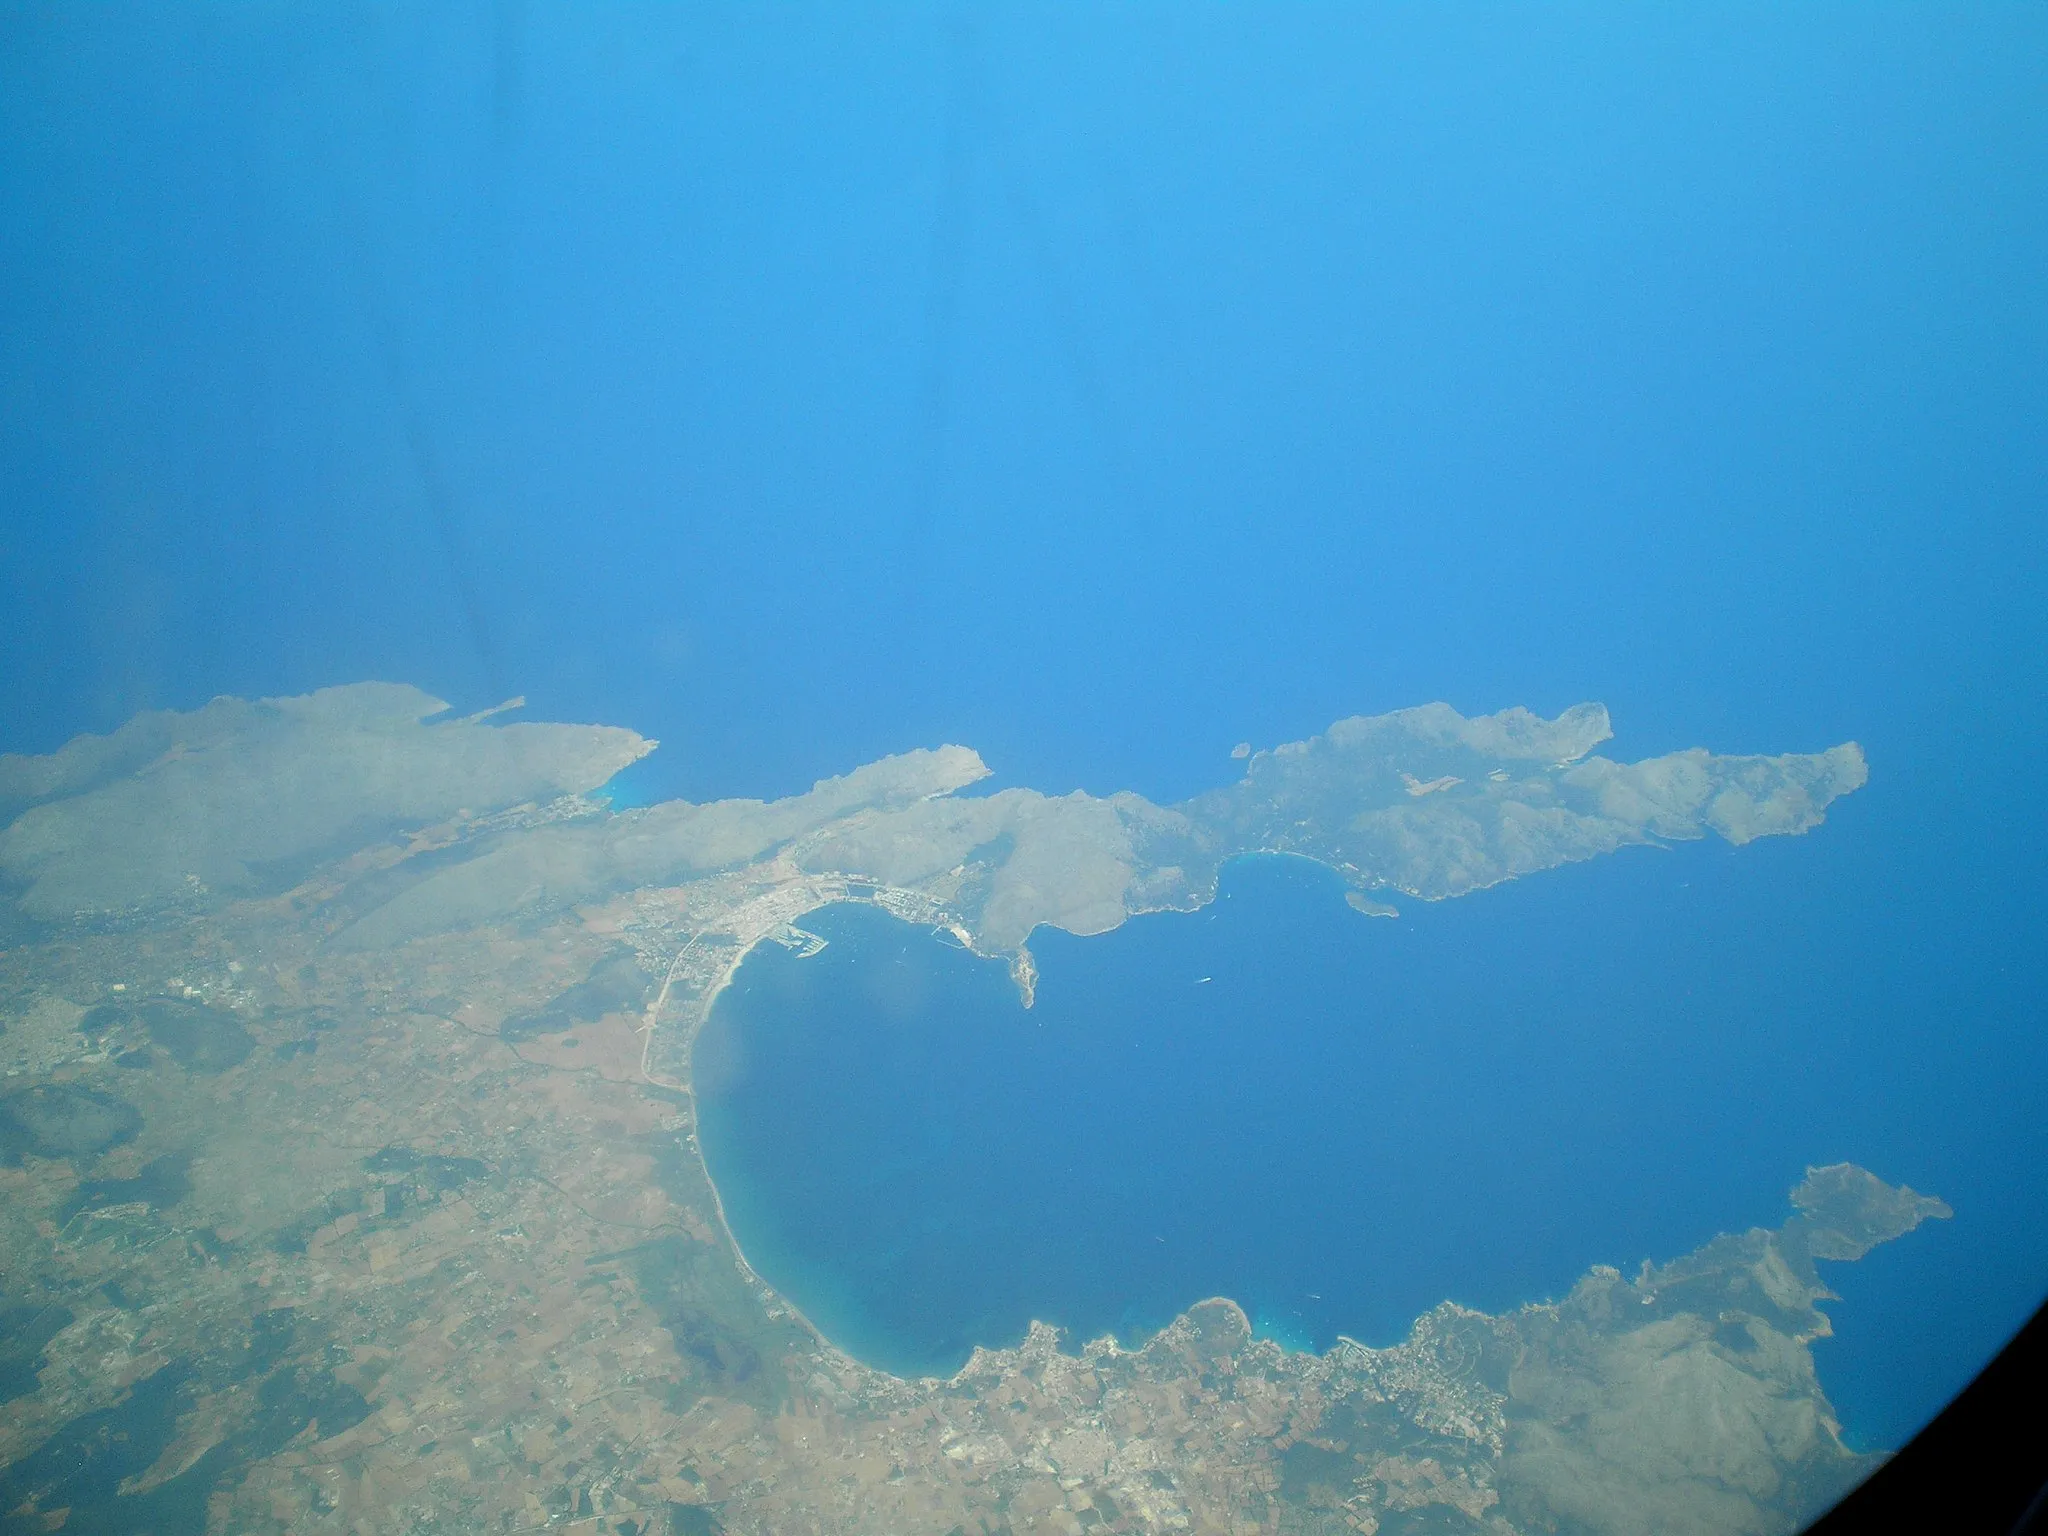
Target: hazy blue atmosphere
{"points": [[1099, 388]]}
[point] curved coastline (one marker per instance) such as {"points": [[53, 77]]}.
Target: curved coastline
{"points": [[980, 1354], [900, 905], [688, 1088], [805, 895], [1073, 1343]]}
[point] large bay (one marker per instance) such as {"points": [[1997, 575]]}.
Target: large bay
{"points": [[1339, 1120]]}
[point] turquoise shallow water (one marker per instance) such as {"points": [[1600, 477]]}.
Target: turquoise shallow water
{"points": [[1352, 1119]]}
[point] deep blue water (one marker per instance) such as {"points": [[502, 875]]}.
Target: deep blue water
{"points": [[1100, 388], [1357, 1118]]}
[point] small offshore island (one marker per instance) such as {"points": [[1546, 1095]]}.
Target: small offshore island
{"points": [[351, 1163]]}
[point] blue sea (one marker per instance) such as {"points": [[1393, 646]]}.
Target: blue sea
{"points": [[1100, 387], [1340, 1121]]}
